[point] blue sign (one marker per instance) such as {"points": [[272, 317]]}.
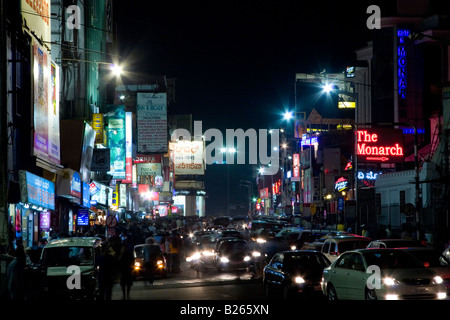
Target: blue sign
{"points": [[401, 62], [83, 218], [340, 204], [86, 196], [39, 191]]}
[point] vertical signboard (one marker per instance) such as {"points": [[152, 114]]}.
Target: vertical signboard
{"points": [[116, 140], [296, 167], [41, 102], [128, 148], [54, 148], [46, 144], [152, 122], [97, 125], [86, 152]]}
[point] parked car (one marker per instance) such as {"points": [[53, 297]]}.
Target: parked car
{"points": [[434, 260], [334, 246], [60, 254], [233, 254], [149, 262], [394, 243], [385, 274], [292, 272]]}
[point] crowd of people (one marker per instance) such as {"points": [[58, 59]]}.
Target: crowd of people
{"points": [[116, 260]]}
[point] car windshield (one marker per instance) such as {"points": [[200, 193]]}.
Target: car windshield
{"points": [[232, 247], [391, 260], [352, 245], [307, 261], [67, 256], [402, 243], [431, 259]]}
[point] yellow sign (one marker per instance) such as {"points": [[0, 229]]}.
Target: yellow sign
{"points": [[313, 208]]}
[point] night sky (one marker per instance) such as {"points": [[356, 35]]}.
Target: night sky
{"points": [[235, 61]]}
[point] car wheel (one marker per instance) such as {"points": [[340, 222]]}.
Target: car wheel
{"points": [[371, 294], [331, 293]]}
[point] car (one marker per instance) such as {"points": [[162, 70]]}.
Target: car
{"points": [[433, 259], [149, 262], [334, 246], [233, 254], [446, 253], [202, 256], [289, 273], [62, 256], [229, 232], [380, 274], [394, 243]]}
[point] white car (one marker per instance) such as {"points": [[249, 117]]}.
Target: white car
{"points": [[384, 274]]}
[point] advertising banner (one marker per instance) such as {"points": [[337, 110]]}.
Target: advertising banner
{"points": [[296, 166], [54, 147], [116, 140], [41, 101], [380, 145], [86, 152], [128, 148], [97, 125], [152, 122], [187, 157]]}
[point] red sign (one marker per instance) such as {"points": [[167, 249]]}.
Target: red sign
{"points": [[383, 145], [142, 158], [264, 193]]}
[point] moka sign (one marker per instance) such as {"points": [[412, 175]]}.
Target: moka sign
{"points": [[380, 145]]}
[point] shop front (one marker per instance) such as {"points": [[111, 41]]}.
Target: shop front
{"points": [[34, 217]]}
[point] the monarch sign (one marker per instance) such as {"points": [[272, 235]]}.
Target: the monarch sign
{"points": [[380, 145]]}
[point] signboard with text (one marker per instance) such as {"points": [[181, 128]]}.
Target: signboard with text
{"points": [[380, 145]]}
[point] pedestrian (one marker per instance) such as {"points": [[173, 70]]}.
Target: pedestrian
{"points": [[106, 271], [15, 274], [126, 262]]}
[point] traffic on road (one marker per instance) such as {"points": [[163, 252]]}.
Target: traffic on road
{"points": [[278, 258]]}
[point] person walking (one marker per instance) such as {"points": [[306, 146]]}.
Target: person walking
{"points": [[126, 261], [106, 271], [15, 274]]}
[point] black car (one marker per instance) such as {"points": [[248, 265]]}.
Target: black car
{"points": [[233, 254], [292, 272]]}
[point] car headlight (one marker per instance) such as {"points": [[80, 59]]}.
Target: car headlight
{"points": [[137, 264], [299, 280], [388, 281], [208, 253], [256, 254], [246, 258], [293, 248], [438, 280], [195, 256], [261, 240], [224, 260], [160, 264]]}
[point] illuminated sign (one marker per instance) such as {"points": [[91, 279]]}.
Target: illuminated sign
{"points": [[350, 72], [341, 184], [308, 142], [384, 145], [296, 165], [401, 62], [368, 175], [346, 104]]}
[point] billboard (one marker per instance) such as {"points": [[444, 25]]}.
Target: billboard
{"points": [[37, 13], [46, 143], [187, 157], [152, 132]]}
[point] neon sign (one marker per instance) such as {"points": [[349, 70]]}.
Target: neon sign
{"points": [[401, 62], [380, 146], [368, 175]]}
